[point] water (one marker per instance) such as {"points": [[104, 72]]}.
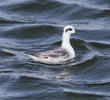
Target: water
{"points": [[28, 26]]}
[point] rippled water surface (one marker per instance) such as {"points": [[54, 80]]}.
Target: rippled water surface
{"points": [[29, 26]]}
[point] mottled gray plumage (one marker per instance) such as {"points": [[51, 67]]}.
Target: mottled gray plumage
{"points": [[53, 53]]}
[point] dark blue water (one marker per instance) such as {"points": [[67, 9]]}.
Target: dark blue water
{"points": [[28, 26]]}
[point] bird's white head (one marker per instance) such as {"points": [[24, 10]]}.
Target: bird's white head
{"points": [[69, 29]]}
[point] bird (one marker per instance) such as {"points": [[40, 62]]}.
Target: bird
{"points": [[59, 55]]}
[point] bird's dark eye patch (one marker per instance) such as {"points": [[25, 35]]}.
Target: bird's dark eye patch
{"points": [[69, 29]]}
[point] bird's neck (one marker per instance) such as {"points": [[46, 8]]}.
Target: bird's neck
{"points": [[66, 43]]}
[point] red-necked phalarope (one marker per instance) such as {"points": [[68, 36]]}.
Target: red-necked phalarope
{"points": [[60, 55]]}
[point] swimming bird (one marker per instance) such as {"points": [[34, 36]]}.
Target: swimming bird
{"points": [[60, 55]]}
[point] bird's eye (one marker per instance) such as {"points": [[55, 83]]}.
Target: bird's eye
{"points": [[69, 29]]}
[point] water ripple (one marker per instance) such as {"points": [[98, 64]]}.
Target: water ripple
{"points": [[30, 26]]}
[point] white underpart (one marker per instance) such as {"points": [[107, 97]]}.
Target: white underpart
{"points": [[66, 44]]}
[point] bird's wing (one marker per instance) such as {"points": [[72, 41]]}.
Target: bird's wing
{"points": [[52, 53]]}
